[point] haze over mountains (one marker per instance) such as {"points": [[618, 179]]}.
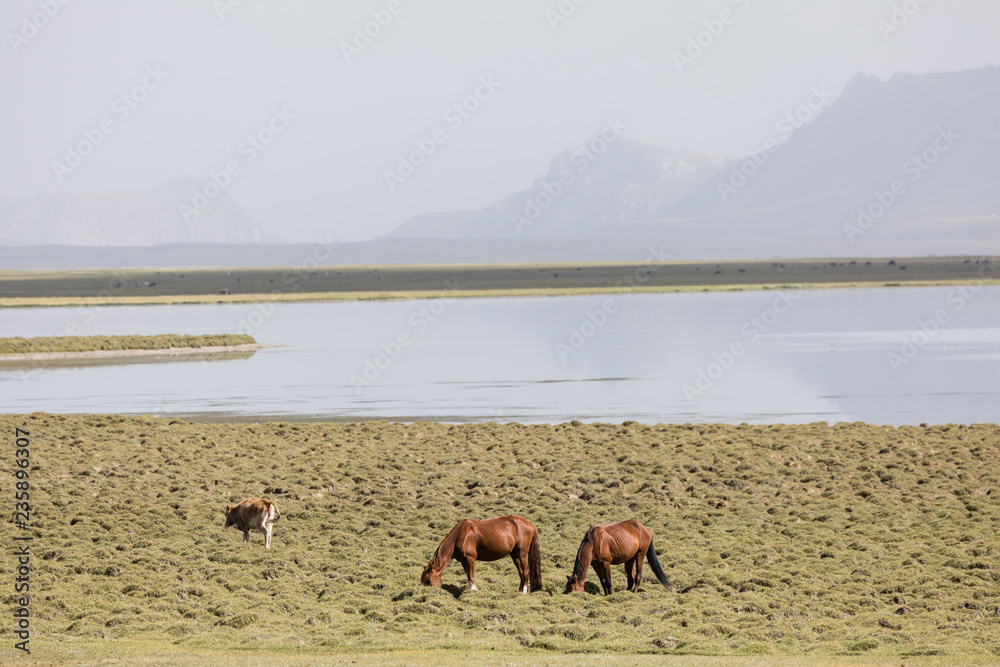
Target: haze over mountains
{"points": [[602, 184], [125, 219], [908, 166], [914, 158]]}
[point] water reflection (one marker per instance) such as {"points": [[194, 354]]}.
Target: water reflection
{"points": [[826, 357]]}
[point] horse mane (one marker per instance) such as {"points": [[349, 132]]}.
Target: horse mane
{"points": [[443, 554], [579, 569]]}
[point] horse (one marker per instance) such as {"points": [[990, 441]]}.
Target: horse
{"points": [[489, 539], [610, 544]]}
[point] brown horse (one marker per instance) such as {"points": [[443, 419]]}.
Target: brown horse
{"points": [[489, 539], [610, 544]]}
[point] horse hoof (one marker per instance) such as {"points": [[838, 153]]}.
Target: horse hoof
{"points": [[472, 587]]}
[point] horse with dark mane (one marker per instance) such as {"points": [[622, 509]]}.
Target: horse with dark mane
{"points": [[489, 539], [610, 544]]}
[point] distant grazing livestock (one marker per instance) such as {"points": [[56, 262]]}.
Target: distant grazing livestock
{"points": [[610, 544], [253, 514], [489, 539]]}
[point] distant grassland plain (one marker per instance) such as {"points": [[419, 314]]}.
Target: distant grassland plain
{"points": [[143, 286], [804, 542]]}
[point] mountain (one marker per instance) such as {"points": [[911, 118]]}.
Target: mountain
{"points": [[627, 182], [919, 155], [125, 219], [912, 162]]}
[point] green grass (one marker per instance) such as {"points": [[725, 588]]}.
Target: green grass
{"points": [[848, 542], [146, 286], [49, 344]]}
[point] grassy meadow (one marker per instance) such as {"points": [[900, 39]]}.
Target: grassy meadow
{"points": [[813, 541], [52, 344]]}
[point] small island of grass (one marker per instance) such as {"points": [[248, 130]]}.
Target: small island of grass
{"points": [[68, 344], [87, 350]]}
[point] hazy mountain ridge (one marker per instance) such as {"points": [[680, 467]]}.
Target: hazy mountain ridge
{"points": [[124, 219], [582, 190], [938, 134], [935, 136]]}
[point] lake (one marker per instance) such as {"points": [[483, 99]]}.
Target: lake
{"points": [[884, 356]]}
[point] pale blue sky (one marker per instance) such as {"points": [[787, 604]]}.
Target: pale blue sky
{"points": [[323, 174]]}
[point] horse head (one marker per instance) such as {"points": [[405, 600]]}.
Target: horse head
{"points": [[430, 578], [573, 584]]}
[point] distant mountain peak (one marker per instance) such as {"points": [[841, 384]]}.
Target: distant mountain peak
{"points": [[931, 141], [599, 184], [146, 218]]}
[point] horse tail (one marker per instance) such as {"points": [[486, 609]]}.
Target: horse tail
{"points": [[654, 564], [535, 563], [275, 514]]}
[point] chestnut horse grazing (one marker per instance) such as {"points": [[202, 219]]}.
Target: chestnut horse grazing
{"points": [[489, 539], [610, 544]]}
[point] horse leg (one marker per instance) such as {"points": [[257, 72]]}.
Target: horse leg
{"points": [[604, 574], [629, 579], [526, 568], [638, 570], [470, 571], [521, 563]]}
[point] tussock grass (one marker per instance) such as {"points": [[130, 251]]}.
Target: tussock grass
{"points": [[48, 344], [812, 541]]}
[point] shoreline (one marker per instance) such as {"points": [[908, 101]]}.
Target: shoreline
{"points": [[110, 354], [405, 295], [356, 283]]}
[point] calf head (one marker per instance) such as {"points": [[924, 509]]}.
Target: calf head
{"points": [[230, 517]]}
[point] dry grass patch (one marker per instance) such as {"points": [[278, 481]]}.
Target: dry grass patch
{"points": [[810, 540], [49, 344]]}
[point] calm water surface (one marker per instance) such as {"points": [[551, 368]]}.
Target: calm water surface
{"points": [[892, 356]]}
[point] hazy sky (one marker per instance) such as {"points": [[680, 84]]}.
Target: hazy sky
{"points": [[210, 74]]}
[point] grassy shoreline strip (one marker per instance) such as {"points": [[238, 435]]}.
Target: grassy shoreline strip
{"points": [[152, 286], [397, 295], [66, 344]]}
